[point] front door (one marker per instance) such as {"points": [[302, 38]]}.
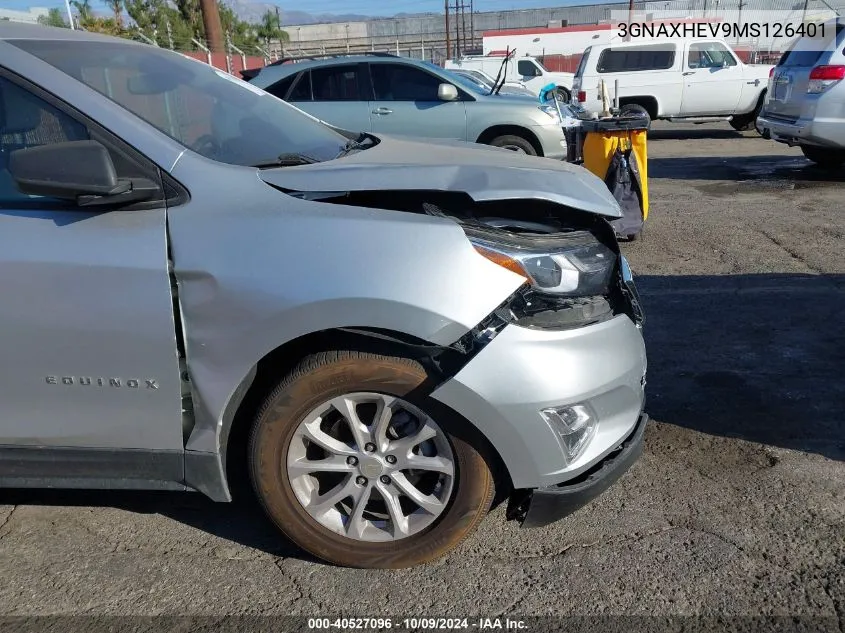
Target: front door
{"points": [[406, 104], [88, 355], [713, 80]]}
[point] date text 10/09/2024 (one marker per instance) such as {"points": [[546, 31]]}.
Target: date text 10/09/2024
{"points": [[725, 30], [417, 624]]}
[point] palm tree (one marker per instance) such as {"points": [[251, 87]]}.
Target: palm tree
{"points": [[117, 8], [83, 7], [270, 28]]}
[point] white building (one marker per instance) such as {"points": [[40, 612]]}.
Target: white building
{"points": [[30, 16]]}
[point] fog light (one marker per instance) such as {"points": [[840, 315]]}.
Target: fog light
{"points": [[575, 427]]}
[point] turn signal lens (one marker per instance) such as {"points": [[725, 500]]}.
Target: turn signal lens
{"points": [[575, 427], [502, 260]]}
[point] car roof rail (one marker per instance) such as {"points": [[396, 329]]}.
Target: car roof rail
{"points": [[295, 58]]}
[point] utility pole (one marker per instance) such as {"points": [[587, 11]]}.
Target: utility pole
{"points": [[69, 14], [211, 22], [804, 13], [463, 24], [457, 32], [471, 22], [630, 19], [448, 38], [279, 26]]}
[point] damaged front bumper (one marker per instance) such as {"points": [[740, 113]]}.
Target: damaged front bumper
{"points": [[543, 506]]}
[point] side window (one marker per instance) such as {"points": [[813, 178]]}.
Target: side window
{"points": [[398, 82], [336, 83], [27, 120], [637, 59], [709, 55], [526, 68], [302, 89], [280, 88]]}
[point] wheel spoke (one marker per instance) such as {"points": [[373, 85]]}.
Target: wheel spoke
{"points": [[425, 432], [330, 499], [435, 464], [314, 433], [357, 523], [346, 407], [381, 421], [333, 464], [429, 503], [398, 520]]}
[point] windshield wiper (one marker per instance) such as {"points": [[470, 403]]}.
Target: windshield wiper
{"points": [[360, 143], [285, 160]]}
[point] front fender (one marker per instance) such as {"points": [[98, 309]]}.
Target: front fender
{"points": [[254, 272]]}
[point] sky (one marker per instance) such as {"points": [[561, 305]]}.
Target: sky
{"points": [[365, 7]]}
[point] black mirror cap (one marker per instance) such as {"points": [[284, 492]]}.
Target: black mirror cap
{"points": [[64, 170]]}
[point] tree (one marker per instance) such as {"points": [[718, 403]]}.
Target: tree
{"points": [[54, 17], [117, 8], [83, 8], [270, 28]]}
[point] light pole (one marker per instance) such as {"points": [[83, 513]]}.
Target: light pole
{"points": [[69, 13], [347, 38]]}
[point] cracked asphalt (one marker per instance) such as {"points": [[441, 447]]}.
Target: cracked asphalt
{"points": [[737, 507]]}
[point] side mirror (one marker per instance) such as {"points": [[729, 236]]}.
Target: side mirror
{"points": [[81, 171], [447, 92]]}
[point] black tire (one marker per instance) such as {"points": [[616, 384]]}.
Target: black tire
{"points": [[514, 143], [824, 157], [563, 94], [744, 123], [635, 110], [323, 376]]}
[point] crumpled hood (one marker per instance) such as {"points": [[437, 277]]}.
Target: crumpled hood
{"points": [[495, 174]]}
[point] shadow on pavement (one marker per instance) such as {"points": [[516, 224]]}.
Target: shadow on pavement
{"points": [[695, 133], [747, 173], [757, 357]]}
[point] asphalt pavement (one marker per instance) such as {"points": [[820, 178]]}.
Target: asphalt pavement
{"points": [[737, 507]]}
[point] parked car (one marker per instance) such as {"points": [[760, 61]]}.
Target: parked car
{"points": [[381, 332], [488, 83], [805, 105], [689, 80], [525, 70], [387, 94]]}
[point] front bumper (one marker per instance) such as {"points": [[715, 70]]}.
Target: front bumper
{"points": [[523, 371], [552, 140], [546, 505]]}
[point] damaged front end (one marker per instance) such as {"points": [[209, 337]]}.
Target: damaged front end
{"points": [[575, 273]]}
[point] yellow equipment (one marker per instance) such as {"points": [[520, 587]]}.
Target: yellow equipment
{"points": [[602, 140]]}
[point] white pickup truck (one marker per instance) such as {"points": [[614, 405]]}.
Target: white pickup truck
{"points": [[678, 79], [526, 71]]}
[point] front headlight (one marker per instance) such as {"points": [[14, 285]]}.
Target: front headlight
{"points": [[551, 111], [575, 265]]}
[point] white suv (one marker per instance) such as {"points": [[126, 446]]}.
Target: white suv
{"points": [[680, 79]]}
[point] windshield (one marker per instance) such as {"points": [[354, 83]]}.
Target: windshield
{"points": [[204, 109], [806, 51]]}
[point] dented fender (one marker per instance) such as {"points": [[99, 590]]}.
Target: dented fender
{"points": [[255, 272]]}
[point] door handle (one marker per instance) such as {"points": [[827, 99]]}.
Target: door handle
{"points": [[689, 72], [382, 111]]}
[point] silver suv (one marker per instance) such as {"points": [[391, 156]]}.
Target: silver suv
{"points": [[805, 105], [200, 278], [386, 94]]}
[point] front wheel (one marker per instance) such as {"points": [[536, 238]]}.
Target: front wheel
{"points": [[359, 469], [823, 156], [514, 143]]}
